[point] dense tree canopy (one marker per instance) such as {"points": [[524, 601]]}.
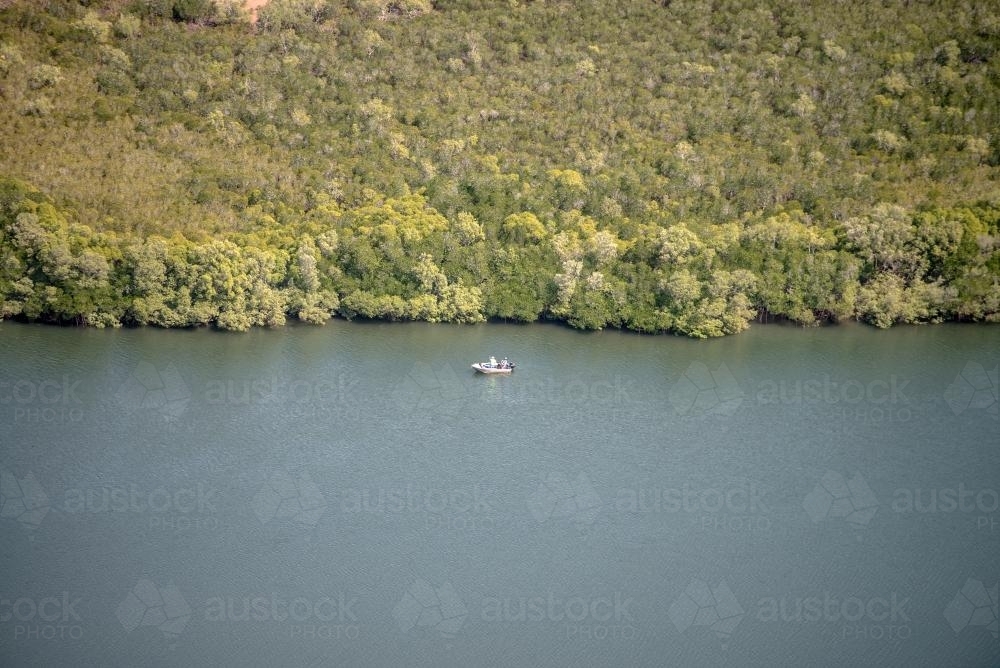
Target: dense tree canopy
{"points": [[678, 166]]}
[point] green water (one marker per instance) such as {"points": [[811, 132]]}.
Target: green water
{"points": [[355, 495]]}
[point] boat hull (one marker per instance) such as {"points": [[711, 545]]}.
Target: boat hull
{"points": [[489, 370]]}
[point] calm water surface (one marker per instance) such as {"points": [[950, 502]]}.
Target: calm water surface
{"points": [[353, 495]]}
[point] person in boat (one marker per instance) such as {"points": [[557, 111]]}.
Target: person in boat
{"points": [[504, 364], [493, 361]]}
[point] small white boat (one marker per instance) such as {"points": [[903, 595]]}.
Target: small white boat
{"points": [[503, 366]]}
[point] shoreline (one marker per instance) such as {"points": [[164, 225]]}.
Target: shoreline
{"points": [[293, 323]]}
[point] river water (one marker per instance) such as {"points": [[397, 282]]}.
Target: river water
{"points": [[354, 495]]}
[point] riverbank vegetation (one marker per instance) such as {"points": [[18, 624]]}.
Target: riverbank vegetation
{"points": [[679, 166]]}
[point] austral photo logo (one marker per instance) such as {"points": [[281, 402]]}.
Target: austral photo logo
{"points": [[425, 608], [289, 502], [157, 390], [172, 509], [704, 605], [701, 392], [854, 618], [836, 497], [161, 607], [560, 497], [46, 401], [333, 617], [22, 500], [732, 507], [580, 618], [53, 617]]}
